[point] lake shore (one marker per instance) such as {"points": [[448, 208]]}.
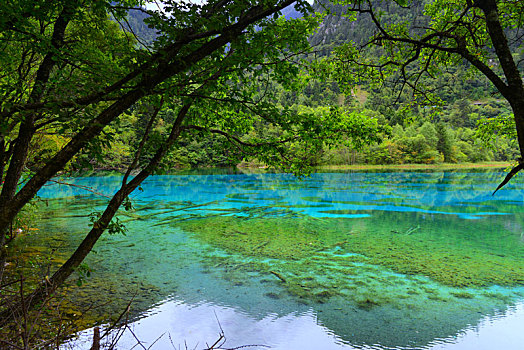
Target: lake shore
{"points": [[258, 168], [443, 166]]}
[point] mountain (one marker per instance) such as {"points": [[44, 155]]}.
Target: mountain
{"points": [[290, 12], [338, 29], [135, 19], [147, 35]]}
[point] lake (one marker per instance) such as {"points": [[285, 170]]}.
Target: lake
{"points": [[384, 260]]}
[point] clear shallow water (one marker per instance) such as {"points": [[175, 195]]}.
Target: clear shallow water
{"points": [[369, 261]]}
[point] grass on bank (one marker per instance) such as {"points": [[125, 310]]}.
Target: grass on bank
{"points": [[442, 166]]}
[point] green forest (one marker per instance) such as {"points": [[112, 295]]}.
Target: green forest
{"points": [[460, 123], [149, 87]]}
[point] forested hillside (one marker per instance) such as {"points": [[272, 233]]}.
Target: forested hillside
{"points": [[457, 127]]}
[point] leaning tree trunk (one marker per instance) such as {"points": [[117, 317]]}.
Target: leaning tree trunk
{"points": [[49, 286], [152, 74], [165, 66]]}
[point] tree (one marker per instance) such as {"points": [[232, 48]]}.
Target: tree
{"points": [[66, 69], [484, 34]]}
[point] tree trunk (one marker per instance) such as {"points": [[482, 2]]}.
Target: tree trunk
{"points": [[49, 286], [27, 130], [170, 65], [165, 64], [96, 339], [514, 91], [517, 106]]}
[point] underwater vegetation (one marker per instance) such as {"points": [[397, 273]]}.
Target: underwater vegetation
{"points": [[306, 238], [383, 259]]}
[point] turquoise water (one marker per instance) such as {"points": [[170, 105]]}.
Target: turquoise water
{"points": [[335, 261]]}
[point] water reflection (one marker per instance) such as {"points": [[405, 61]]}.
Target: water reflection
{"points": [[192, 325], [450, 193]]}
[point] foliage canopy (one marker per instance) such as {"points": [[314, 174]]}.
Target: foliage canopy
{"points": [[69, 76], [410, 52]]}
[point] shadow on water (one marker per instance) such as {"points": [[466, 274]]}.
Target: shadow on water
{"points": [[382, 260]]}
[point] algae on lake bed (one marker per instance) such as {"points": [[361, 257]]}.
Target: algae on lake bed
{"points": [[330, 247], [293, 238]]}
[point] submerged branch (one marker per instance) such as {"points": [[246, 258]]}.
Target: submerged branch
{"points": [[86, 188], [279, 276]]}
